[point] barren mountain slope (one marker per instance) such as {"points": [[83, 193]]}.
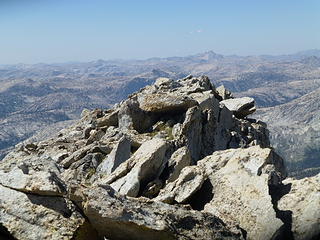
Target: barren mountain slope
{"points": [[295, 132], [34, 96]]}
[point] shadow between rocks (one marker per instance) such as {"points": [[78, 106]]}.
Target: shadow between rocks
{"points": [[284, 232], [5, 234], [58, 204], [203, 196]]}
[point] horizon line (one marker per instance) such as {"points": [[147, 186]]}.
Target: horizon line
{"points": [[300, 52]]}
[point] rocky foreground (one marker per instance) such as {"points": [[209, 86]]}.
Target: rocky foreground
{"points": [[176, 160]]}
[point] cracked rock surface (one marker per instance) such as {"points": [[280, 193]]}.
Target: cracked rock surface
{"points": [[173, 161], [303, 201]]}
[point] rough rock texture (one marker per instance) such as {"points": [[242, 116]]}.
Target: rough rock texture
{"points": [[239, 182], [241, 189], [140, 169], [119, 154], [170, 162], [224, 93], [126, 218], [179, 159], [303, 202], [190, 181], [165, 103], [29, 216], [241, 107]]}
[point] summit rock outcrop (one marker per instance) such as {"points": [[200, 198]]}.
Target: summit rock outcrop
{"points": [[173, 161]]}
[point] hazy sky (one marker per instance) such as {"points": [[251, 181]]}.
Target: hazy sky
{"points": [[34, 31]]}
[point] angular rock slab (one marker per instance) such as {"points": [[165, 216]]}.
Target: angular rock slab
{"points": [[165, 102], [32, 174], [190, 180], [119, 154], [118, 217], [37, 182], [224, 93], [178, 160], [29, 217], [141, 168], [241, 107], [303, 201], [241, 196]]}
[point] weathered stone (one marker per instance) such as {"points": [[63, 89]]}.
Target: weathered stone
{"points": [[29, 216], [241, 190], [141, 168], [151, 145], [112, 136], [31, 146], [303, 202], [58, 157], [224, 93], [83, 170], [132, 117], [241, 107], [176, 130], [87, 130], [179, 159], [108, 120], [193, 85], [127, 113], [190, 134], [95, 135], [30, 181], [162, 81], [76, 156], [160, 103], [120, 153], [34, 175], [118, 217], [189, 181], [206, 100]]}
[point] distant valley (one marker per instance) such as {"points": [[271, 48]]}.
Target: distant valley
{"points": [[42, 98]]}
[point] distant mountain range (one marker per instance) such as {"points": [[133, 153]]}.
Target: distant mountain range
{"points": [[37, 98]]}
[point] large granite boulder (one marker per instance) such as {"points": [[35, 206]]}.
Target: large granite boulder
{"points": [[30, 216], [237, 188], [118, 217], [240, 180], [303, 205]]}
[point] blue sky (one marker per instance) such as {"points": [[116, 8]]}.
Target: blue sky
{"points": [[77, 30]]}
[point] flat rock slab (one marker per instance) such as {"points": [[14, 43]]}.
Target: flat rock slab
{"points": [[29, 217], [165, 102], [118, 217], [241, 107]]}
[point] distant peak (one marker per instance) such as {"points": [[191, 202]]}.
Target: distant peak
{"points": [[208, 55], [309, 53]]}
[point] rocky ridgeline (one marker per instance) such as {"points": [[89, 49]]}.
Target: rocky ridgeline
{"points": [[176, 160]]}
